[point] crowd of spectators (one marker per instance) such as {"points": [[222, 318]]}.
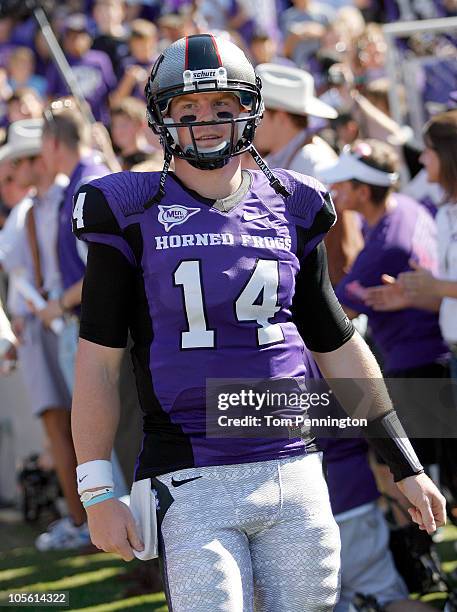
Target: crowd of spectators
{"points": [[326, 90]]}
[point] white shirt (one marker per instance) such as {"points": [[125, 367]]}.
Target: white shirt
{"points": [[46, 211], [419, 189], [12, 245], [446, 221], [309, 159], [11, 233], [15, 248]]}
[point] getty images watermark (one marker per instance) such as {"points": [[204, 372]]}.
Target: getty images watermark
{"points": [[293, 407], [263, 403], [248, 409]]}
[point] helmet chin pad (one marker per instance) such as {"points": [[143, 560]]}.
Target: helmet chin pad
{"points": [[209, 164]]}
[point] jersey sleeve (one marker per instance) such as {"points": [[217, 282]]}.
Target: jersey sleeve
{"points": [[107, 290], [310, 209], [322, 324], [94, 221]]}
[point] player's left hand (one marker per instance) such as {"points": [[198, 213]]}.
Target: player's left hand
{"points": [[428, 505]]}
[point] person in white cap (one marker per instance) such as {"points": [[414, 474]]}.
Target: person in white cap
{"points": [[20, 142], [284, 132], [398, 230], [34, 258]]}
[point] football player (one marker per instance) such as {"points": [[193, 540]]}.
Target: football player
{"points": [[218, 272]]}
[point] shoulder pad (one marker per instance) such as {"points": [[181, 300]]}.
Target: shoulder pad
{"points": [[310, 202], [324, 218], [92, 213], [128, 192]]}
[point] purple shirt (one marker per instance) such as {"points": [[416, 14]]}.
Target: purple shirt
{"points": [[24, 33], [440, 80], [95, 76], [411, 337], [350, 480], [190, 249], [72, 266]]}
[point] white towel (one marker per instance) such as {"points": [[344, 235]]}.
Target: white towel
{"points": [[143, 508]]}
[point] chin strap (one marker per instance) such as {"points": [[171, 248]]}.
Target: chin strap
{"points": [[275, 183], [157, 198]]}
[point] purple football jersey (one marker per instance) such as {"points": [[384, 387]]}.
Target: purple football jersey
{"points": [[219, 288], [406, 338]]}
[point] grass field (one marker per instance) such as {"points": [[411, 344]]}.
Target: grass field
{"points": [[98, 582]]}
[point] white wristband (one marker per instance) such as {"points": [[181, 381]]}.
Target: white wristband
{"points": [[92, 474]]}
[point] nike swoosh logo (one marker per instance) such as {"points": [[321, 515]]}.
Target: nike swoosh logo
{"points": [[178, 483], [81, 479], [254, 216]]}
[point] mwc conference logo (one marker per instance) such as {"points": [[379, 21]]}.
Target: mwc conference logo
{"points": [[169, 216]]}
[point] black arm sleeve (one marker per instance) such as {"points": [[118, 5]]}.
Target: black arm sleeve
{"points": [[107, 290], [319, 317]]}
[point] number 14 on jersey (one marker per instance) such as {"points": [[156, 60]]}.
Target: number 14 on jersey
{"points": [[258, 301]]}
